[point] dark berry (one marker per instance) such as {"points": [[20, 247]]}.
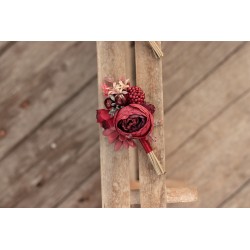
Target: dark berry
{"points": [[108, 103], [121, 99]]}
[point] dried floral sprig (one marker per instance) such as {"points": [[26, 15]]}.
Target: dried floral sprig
{"points": [[156, 49], [119, 87], [110, 87]]}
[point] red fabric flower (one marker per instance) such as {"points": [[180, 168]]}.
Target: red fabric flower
{"points": [[103, 117], [118, 140], [133, 121]]}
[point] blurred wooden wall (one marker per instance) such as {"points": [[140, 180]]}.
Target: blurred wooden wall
{"points": [[49, 145]]}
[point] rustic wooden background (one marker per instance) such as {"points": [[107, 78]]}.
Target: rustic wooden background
{"points": [[49, 145]]}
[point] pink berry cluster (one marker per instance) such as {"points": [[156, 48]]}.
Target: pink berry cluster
{"points": [[135, 95]]}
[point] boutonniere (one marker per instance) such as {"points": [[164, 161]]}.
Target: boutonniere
{"points": [[127, 117]]}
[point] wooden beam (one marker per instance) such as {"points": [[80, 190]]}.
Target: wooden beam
{"points": [[176, 193], [130, 74], [149, 78], [111, 59]]}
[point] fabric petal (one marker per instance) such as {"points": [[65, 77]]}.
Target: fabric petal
{"points": [[125, 144], [131, 143], [112, 137], [107, 132], [122, 138], [114, 134], [102, 115], [118, 145]]}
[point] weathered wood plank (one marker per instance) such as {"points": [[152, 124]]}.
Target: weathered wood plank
{"points": [[130, 68], [44, 73], [207, 100], [111, 58], [186, 63], [64, 181], [4, 46], [228, 84], [64, 148], [87, 195], [241, 199], [149, 78], [222, 162], [66, 160], [174, 194]]}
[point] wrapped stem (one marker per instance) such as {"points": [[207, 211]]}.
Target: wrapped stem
{"points": [[152, 157], [156, 49]]}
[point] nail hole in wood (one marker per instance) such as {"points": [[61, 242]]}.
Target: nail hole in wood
{"points": [[25, 104], [3, 133], [83, 199], [39, 184]]}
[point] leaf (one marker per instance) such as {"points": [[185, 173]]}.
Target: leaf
{"points": [[112, 97]]}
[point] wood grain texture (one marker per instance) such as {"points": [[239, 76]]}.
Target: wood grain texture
{"points": [[130, 74], [4, 46], [111, 58], [187, 64], [149, 78], [45, 74], [240, 199], [174, 194], [87, 195], [207, 100], [222, 164], [65, 180], [39, 175], [181, 195]]}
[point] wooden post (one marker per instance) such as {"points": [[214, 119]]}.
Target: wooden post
{"points": [[111, 58], [117, 59], [149, 78], [130, 74]]}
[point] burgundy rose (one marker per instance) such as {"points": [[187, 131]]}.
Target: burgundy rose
{"points": [[103, 117], [133, 121]]}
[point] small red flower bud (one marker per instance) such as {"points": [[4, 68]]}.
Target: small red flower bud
{"points": [[120, 100], [108, 103]]}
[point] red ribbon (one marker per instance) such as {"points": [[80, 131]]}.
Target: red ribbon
{"points": [[146, 145]]}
